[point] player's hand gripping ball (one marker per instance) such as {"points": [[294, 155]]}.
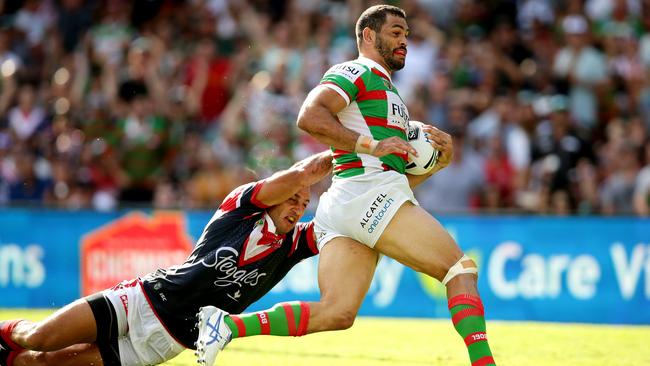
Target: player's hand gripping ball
{"points": [[427, 154]]}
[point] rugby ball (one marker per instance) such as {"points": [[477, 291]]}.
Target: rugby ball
{"points": [[427, 155]]}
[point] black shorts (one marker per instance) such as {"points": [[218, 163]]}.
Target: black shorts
{"points": [[107, 330]]}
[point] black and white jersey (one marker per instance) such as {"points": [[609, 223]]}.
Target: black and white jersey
{"points": [[237, 260]]}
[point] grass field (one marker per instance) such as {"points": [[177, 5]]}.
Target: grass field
{"points": [[403, 342]]}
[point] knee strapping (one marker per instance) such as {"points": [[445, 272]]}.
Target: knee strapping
{"points": [[463, 266]]}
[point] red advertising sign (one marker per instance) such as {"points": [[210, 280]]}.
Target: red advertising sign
{"points": [[132, 246]]}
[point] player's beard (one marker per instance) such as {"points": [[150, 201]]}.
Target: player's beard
{"points": [[387, 54]]}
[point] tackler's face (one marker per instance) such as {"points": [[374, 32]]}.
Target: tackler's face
{"points": [[286, 215], [391, 42]]}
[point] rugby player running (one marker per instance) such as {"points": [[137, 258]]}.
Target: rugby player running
{"points": [[250, 243], [359, 113]]}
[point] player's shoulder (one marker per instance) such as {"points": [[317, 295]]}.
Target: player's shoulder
{"points": [[350, 70], [234, 199], [242, 188]]}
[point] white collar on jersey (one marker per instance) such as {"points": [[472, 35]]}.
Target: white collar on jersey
{"points": [[270, 222], [372, 63]]}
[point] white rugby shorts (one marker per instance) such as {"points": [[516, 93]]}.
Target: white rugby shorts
{"points": [[142, 338], [360, 207]]}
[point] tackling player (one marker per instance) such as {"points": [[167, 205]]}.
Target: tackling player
{"points": [[250, 243], [359, 113]]}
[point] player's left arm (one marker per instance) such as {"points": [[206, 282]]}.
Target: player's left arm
{"points": [[441, 141], [284, 184]]}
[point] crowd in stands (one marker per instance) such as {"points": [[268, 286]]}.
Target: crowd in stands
{"points": [[172, 103]]}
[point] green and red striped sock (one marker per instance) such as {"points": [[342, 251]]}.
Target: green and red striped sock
{"points": [[468, 317], [284, 319]]}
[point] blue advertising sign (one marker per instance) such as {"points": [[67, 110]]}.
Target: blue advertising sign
{"points": [[39, 255], [530, 268]]}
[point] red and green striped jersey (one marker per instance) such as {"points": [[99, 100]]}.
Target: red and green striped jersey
{"points": [[374, 108]]}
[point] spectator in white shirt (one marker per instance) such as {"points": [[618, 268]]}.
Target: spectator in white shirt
{"points": [[26, 117], [583, 68]]}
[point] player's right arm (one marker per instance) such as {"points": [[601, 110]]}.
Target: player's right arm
{"points": [[284, 184], [318, 118], [260, 195]]}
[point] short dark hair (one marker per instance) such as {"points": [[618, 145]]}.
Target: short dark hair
{"points": [[374, 17]]}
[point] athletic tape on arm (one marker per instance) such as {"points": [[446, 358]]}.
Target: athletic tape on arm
{"points": [[464, 265], [365, 145]]}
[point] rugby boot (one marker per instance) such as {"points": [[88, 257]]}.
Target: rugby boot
{"points": [[214, 334]]}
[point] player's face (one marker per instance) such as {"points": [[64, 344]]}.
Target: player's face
{"points": [[391, 42], [286, 215]]}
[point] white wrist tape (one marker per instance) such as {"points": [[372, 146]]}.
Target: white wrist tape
{"points": [[365, 145], [464, 265]]}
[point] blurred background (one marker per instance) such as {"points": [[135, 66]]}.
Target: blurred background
{"points": [[172, 103], [123, 124]]}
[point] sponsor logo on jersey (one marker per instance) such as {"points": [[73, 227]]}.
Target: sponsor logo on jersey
{"points": [[348, 71], [398, 115], [228, 273], [376, 212]]}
